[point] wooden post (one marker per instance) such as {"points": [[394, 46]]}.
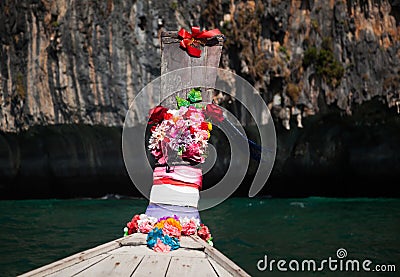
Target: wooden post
{"points": [[174, 57]]}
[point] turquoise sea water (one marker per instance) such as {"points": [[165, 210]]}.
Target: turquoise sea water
{"points": [[36, 232]]}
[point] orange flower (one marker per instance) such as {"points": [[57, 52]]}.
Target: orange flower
{"points": [[174, 223]]}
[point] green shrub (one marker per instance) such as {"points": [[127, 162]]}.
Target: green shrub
{"points": [[326, 65], [310, 56]]}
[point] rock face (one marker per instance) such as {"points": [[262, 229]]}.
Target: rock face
{"points": [[302, 53], [78, 63], [84, 61]]}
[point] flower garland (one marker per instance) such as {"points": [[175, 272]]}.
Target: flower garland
{"points": [[183, 130], [163, 235]]}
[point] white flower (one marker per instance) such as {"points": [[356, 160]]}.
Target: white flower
{"points": [[143, 218], [173, 112]]}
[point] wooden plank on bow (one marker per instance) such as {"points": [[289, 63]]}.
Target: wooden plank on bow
{"points": [[173, 57]]}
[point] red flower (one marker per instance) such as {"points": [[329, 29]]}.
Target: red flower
{"points": [[204, 126], [204, 232], [214, 112], [156, 115], [167, 116], [133, 225]]}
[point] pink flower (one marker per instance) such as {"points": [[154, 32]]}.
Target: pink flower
{"points": [[191, 110], [203, 134], [170, 230], [192, 153], [189, 228], [156, 153], [204, 232], [214, 112], [145, 227], [194, 114], [161, 247]]}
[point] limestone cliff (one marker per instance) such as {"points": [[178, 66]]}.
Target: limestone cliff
{"points": [[69, 61], [301, 53], [70, 68]]}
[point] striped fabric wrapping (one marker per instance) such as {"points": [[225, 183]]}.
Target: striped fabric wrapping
{"points": [[178, 187]]}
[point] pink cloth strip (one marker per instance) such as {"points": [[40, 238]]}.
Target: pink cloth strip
{"points": [[180, 175]]}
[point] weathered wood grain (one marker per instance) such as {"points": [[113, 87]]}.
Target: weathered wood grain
{"points": [[77, 258], [185, 266], [220, 258], [79, 267], [113, 265], [222, 272], [173, 57], [130, 254], [152, 266]]}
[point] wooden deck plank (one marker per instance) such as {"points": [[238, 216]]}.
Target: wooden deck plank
{"points": [[190, 243], [113, 265], [152, 266], [220, 258], [145, 251], [77, 258], [219, 269], [187, 266], [174, 57], [135, 239], [78, 267], [153, 263]]}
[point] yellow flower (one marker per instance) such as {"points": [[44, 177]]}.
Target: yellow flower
{"points": [[160, 224], [209, 126]]}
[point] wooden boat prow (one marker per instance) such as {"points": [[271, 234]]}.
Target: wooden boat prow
{"points": [[130, 256]]}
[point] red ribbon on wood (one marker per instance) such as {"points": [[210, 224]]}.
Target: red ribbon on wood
{"points": [[190, 40]]}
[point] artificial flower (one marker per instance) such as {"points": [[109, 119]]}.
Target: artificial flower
{"points": [[145, 227], [194, 95], [160, 224], [153, 236], [182, 102], [204, 232], [171, 230], [171, 241], [204, 125], [174, 222], [183, 130], [166, 217], [163, 235], [189, 228], [157, 114], [197, 117], [192, 153], [168, 116], [133, 225], [161, 247], [214, 112]]}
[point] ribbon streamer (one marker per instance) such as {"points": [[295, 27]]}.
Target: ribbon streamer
{"points": [[191, 41]]}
